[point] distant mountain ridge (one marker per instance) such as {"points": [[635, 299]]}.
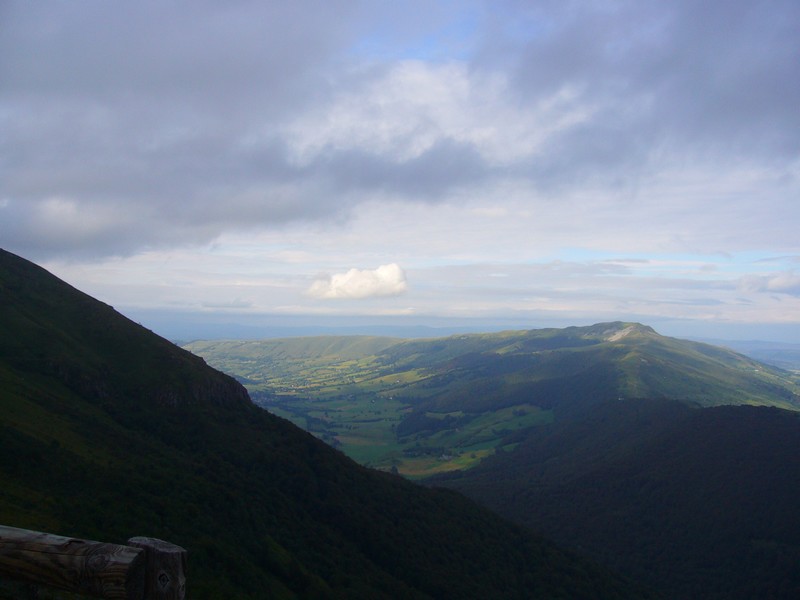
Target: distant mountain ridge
{"points": [[427, 405], [612, 359], [635, 361], [108, 431]]}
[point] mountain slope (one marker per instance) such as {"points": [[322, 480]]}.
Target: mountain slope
{"points": [[548, 366], [699, 503], [577, 365], [107, 431], [423, 406]]}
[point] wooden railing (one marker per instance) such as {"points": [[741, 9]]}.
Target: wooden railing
{"points": [[143, 569]]}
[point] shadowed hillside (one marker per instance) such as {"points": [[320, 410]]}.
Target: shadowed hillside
{"points": [[108, 431], [698, 503]]}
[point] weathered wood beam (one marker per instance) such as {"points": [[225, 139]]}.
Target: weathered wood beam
{"points": [[85, 567], [165, 569]]}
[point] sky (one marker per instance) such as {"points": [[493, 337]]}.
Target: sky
{"points": [[238, 168]]}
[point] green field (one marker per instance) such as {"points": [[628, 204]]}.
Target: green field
{"points": [[426, 406], [363, 419], [339, 390]]}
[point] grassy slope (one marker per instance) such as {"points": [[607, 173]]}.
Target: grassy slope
{"points": [[432, 405], [698, 503], [107, 431]]}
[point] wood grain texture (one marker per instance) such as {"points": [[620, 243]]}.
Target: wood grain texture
{"points": [[86, 567], [165, 571]]}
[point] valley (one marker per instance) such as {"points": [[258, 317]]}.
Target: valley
{"points": [[422, 407], [343, 392], [673, 462], [662, 468], [108, 431]]}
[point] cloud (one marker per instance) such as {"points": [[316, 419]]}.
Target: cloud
{"points": [[706, 74], [386, 280], [786, 282], [584, 150]]}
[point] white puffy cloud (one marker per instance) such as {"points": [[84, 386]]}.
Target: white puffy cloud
{"points": [[386, 280]]}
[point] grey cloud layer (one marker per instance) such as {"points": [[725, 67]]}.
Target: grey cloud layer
{"points": [[724, 71], [128, 126]]}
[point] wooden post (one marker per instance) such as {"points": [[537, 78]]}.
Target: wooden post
{"points": [[81, 566], [165, 570]]}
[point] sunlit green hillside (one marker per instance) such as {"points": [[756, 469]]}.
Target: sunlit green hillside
{"points": [[425, 406]]}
